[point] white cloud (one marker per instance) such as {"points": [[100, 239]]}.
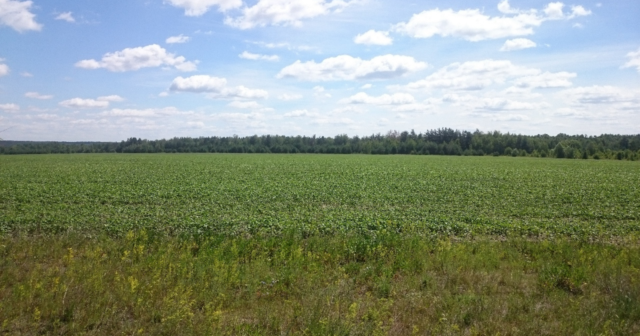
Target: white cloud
{"points": [[634, 60], [598, 95], [346, 67], [26, 74], [216, 87], [4, 69], [84, 103], [199, 83], [199, 7], [417, 107], [510, 117], [366, 86], [505, 8], [579, 11], [385, 99], [142, 113], [9, 107], [319, 91], [283, 12], [468, 24], [131, 59], [258, 57], [244, 105], [546, 80], [289, 97], [35, 95], [518, 44], [474, 75], [112, 98], [473, 25], [16, 15], [67, 16], [501, 104], [284, 45], [177, 39], [332, 121], [373, 37], [599, 102], [554, 10], [300, 113]]}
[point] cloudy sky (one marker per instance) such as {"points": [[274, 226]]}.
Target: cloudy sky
{"points": [[108, 70]]}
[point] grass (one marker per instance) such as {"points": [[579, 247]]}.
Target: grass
{"points": [[316, 286], [318, 245]]}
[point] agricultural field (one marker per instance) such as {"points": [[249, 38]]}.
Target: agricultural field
{"points": [[238, 244]]}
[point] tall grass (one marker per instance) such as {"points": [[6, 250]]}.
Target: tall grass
{"points": [[337, 285]]}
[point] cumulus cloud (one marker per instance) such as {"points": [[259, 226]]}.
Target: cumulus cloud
{"points": [[415, 107], [142, 113], [385, 99], [501, 104], [35, 95], [599, 102], [244, 105], [332, 121], [112, 98], [373, 37], [473, 25], [4, 69], [216, 87], [300, 113], [518, 44], [177, 39], [346, 67], [258, 57], [474, 75], [131, 59], [67, 16], [283, 12], [599, 95], [84, 103], [634, 60], [16, 15], [289, 97], [468, 24], [199, 7], [320, 91], [546, 80], [9, 108]]}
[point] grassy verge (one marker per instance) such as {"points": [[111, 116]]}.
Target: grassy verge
{"points": [[337, 285]]}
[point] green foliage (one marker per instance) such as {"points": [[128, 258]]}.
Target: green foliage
{"points": [[444, 141], [399, 284], [233, 194], [559, 151]]}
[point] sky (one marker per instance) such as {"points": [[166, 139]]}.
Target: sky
{"points": [[87, 70]]}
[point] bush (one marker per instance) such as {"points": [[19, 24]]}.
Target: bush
{"points": [[508, 151]]}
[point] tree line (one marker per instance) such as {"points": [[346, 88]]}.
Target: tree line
{"points": [[443, 141]]}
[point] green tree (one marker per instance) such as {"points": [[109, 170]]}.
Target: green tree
{"points": [[559, 151]]}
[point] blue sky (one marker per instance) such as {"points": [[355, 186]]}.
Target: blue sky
{"points": [[108, 70]]}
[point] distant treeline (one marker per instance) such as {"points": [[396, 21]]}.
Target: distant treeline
{"points": [[444, 141]]}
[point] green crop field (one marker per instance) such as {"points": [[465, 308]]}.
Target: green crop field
{"points": [[250, 194], [318, 244]]}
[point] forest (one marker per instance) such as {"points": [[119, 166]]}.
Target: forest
{"points": [[443, 141]]}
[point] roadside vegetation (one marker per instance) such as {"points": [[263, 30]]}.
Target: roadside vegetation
{"points": [[232, 244]]}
